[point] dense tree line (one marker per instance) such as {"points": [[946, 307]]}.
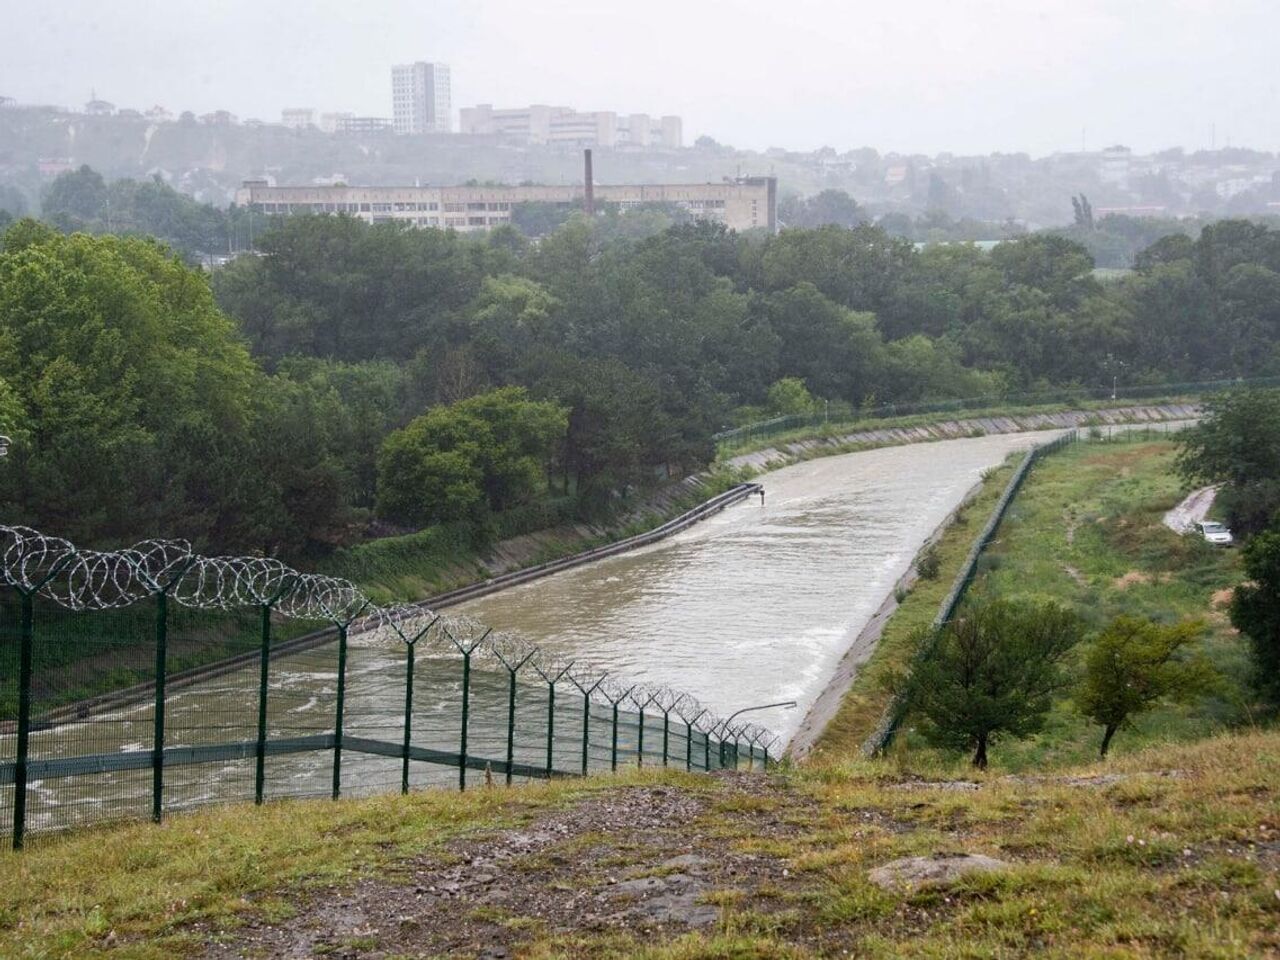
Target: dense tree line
{"points": [[82, 200], [310, 360]]}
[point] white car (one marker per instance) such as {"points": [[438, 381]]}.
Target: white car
{"points": [[1215, 533]]}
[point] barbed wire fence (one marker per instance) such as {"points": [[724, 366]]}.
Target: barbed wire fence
{"points": [[249, 679]]}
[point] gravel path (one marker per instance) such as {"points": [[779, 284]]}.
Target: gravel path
{"points": [[1192, 510]]}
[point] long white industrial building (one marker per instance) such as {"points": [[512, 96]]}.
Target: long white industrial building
{"points": [[743, 204]]}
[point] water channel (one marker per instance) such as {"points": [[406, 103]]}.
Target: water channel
{"points": [[756, 604]]}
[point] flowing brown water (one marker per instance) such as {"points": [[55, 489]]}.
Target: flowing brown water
{"points": [[758, 603]]}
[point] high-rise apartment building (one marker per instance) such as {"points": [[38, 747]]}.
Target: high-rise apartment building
{"points": [[420, 98]]}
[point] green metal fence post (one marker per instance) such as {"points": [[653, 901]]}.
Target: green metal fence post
{"points": [[586, 718], [511, 721], [26, 667], [264, 675], [640, 741], [613, 752], [408, 717], [410, 659], [466, 707], [551, 724], [260, 768], [466, 651], [338, 713], [512, 670], [688, 740], [26, 655], [157, 753], [706, 750], [666, 734], [552, 677], [586, 731]]}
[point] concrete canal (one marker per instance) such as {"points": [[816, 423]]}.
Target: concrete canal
{"points": [[757, 603]]}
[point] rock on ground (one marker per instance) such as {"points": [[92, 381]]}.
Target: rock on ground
{"points": [[912, 873]]}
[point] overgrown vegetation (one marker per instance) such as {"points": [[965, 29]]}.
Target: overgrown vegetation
{"points": [[1237, 444], [1255, 612], [651, 343], [989, 673], [1086, 531]]}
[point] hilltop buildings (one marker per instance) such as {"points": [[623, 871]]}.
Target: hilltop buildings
{"points": [[421, 101], [298, 118], [542, 124], [742, 204]]}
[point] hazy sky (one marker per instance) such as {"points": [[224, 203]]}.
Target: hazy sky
{"points": [[928, 75]]}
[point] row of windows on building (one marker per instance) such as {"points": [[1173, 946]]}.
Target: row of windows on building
{"points": [[381, 207], [443, 221]]}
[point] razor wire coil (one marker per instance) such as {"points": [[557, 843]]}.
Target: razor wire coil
{"points": [[86, 580]]}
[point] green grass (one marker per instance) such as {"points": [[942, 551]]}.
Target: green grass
{"points": [[863, 705], [76, 895], [1156, 865], [1086, 531]]}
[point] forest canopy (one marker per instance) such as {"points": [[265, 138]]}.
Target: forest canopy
{"points": [[267, 405]]}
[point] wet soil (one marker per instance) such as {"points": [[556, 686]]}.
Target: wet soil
{"points": [[642, 861]]}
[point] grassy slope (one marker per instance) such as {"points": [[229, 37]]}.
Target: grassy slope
{"points": [[1096, 509], [1085, 530], [1155, 865], [863, 705]]}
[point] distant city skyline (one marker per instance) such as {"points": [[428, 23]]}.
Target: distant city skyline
{"points": [[962, 76]]}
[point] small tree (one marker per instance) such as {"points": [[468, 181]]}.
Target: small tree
{"points": [[790, 396], [929, 563], [1133, 665], [1255, 612], [990, 672]]}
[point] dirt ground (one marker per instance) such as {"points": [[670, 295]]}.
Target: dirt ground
{"points": [[644, 861]]}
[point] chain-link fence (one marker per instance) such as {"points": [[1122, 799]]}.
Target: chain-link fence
{"points": [[146, 680]]}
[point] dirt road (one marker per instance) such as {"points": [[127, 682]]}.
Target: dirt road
{"points": [[1192, 510]]}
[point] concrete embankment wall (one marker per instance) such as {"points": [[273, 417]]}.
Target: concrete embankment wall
{"points": [[784, 453]]}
